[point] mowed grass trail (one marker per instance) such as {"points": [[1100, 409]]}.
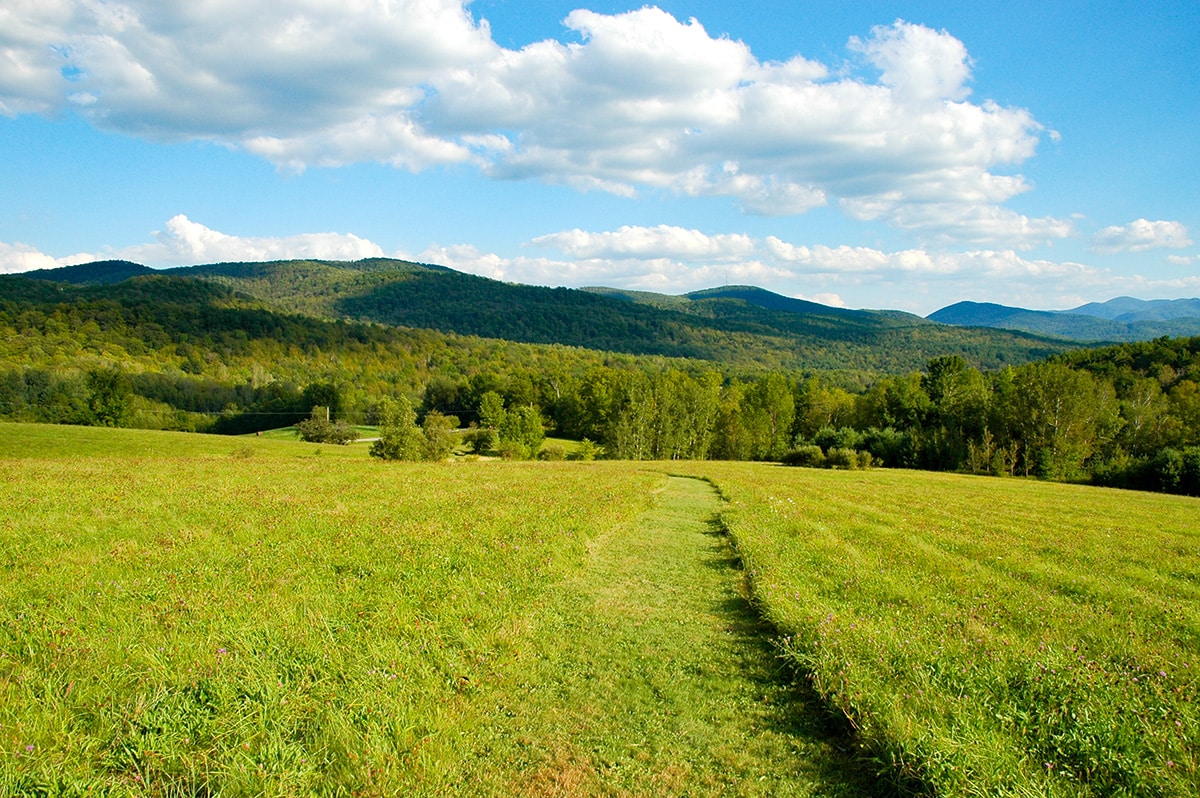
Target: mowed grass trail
{"points": [[987, 637], [648, 673], [184, 615]]}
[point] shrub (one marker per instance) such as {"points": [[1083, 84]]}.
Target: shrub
{"points": [[552, 451], [841, 438], [1189, 482], [1167, 468], [318, 429], [586, 450], [842, 458], [511, 450], [481, 439], [439, 435], [808, 456]]}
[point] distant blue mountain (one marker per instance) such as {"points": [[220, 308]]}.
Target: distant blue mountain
{"points": [[1126, 308], [1118, 320]]}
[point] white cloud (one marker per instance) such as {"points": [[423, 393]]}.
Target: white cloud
{"points": [[1141, 235], [676, 260], [31, 80], [185, 242], [918, 63], [15, 258], [636, 101], [1181, 260], [663, 241]]}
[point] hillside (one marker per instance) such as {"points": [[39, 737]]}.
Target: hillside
{"points": [[736, 327], [1122, 319]]}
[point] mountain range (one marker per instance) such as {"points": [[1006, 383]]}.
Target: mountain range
{"points": [[740, 327], [1118, 320]]}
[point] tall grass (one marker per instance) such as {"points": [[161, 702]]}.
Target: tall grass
{"points": [[984, 636], [184, 615]]}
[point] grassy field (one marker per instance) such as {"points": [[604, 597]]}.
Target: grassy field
{"points": [[986, 636], [181, 614], [187, 615], [190, 615]]}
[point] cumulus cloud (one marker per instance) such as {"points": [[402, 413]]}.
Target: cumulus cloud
{"points": [[1141, 235], [663, 241], [187, 243], [676, 260], [18, 257], [918, 63], [626, 103]]}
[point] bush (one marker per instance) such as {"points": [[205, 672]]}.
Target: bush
{"points": [[1189, 482], [481, 439], [841, 438], [1167, 468], [842, 458], [319, 429], [586, 450], [552, 451], [439, 435], [807, 456], [511, 450]]}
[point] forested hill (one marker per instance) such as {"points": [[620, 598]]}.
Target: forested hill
{"points": [[741, 328], [738, 327]]}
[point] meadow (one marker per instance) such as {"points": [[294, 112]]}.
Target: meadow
{"points": [[181, 613], [986, 636], [188, 615], [192, 615]]}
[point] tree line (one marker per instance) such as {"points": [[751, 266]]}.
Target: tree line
{"points": [[188, 355]]}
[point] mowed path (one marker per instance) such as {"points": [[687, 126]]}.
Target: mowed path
{"points": [[653, 676]]}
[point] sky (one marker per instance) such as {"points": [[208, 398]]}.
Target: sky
{"points": [[902, 155]]}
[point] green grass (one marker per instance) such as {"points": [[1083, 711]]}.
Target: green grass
{"points": [[197, 615], [670, 686], [185, 615], [986, 636]]}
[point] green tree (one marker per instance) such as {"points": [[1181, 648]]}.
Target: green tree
{"points": [[522, 432], [956, 418], [1059, 416], [818, 406], [109, 394], [399, 436], [491, 410], [438, 431], [324, 394], [1145, 413], [731, 439], [769, 410]]}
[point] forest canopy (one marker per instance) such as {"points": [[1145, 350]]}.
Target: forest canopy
{"points": [[173, 352]]}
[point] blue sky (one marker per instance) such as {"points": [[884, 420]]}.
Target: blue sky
{"points": [[872, 154]]}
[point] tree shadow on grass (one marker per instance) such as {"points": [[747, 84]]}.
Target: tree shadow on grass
{"points": [[796, 709]]}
